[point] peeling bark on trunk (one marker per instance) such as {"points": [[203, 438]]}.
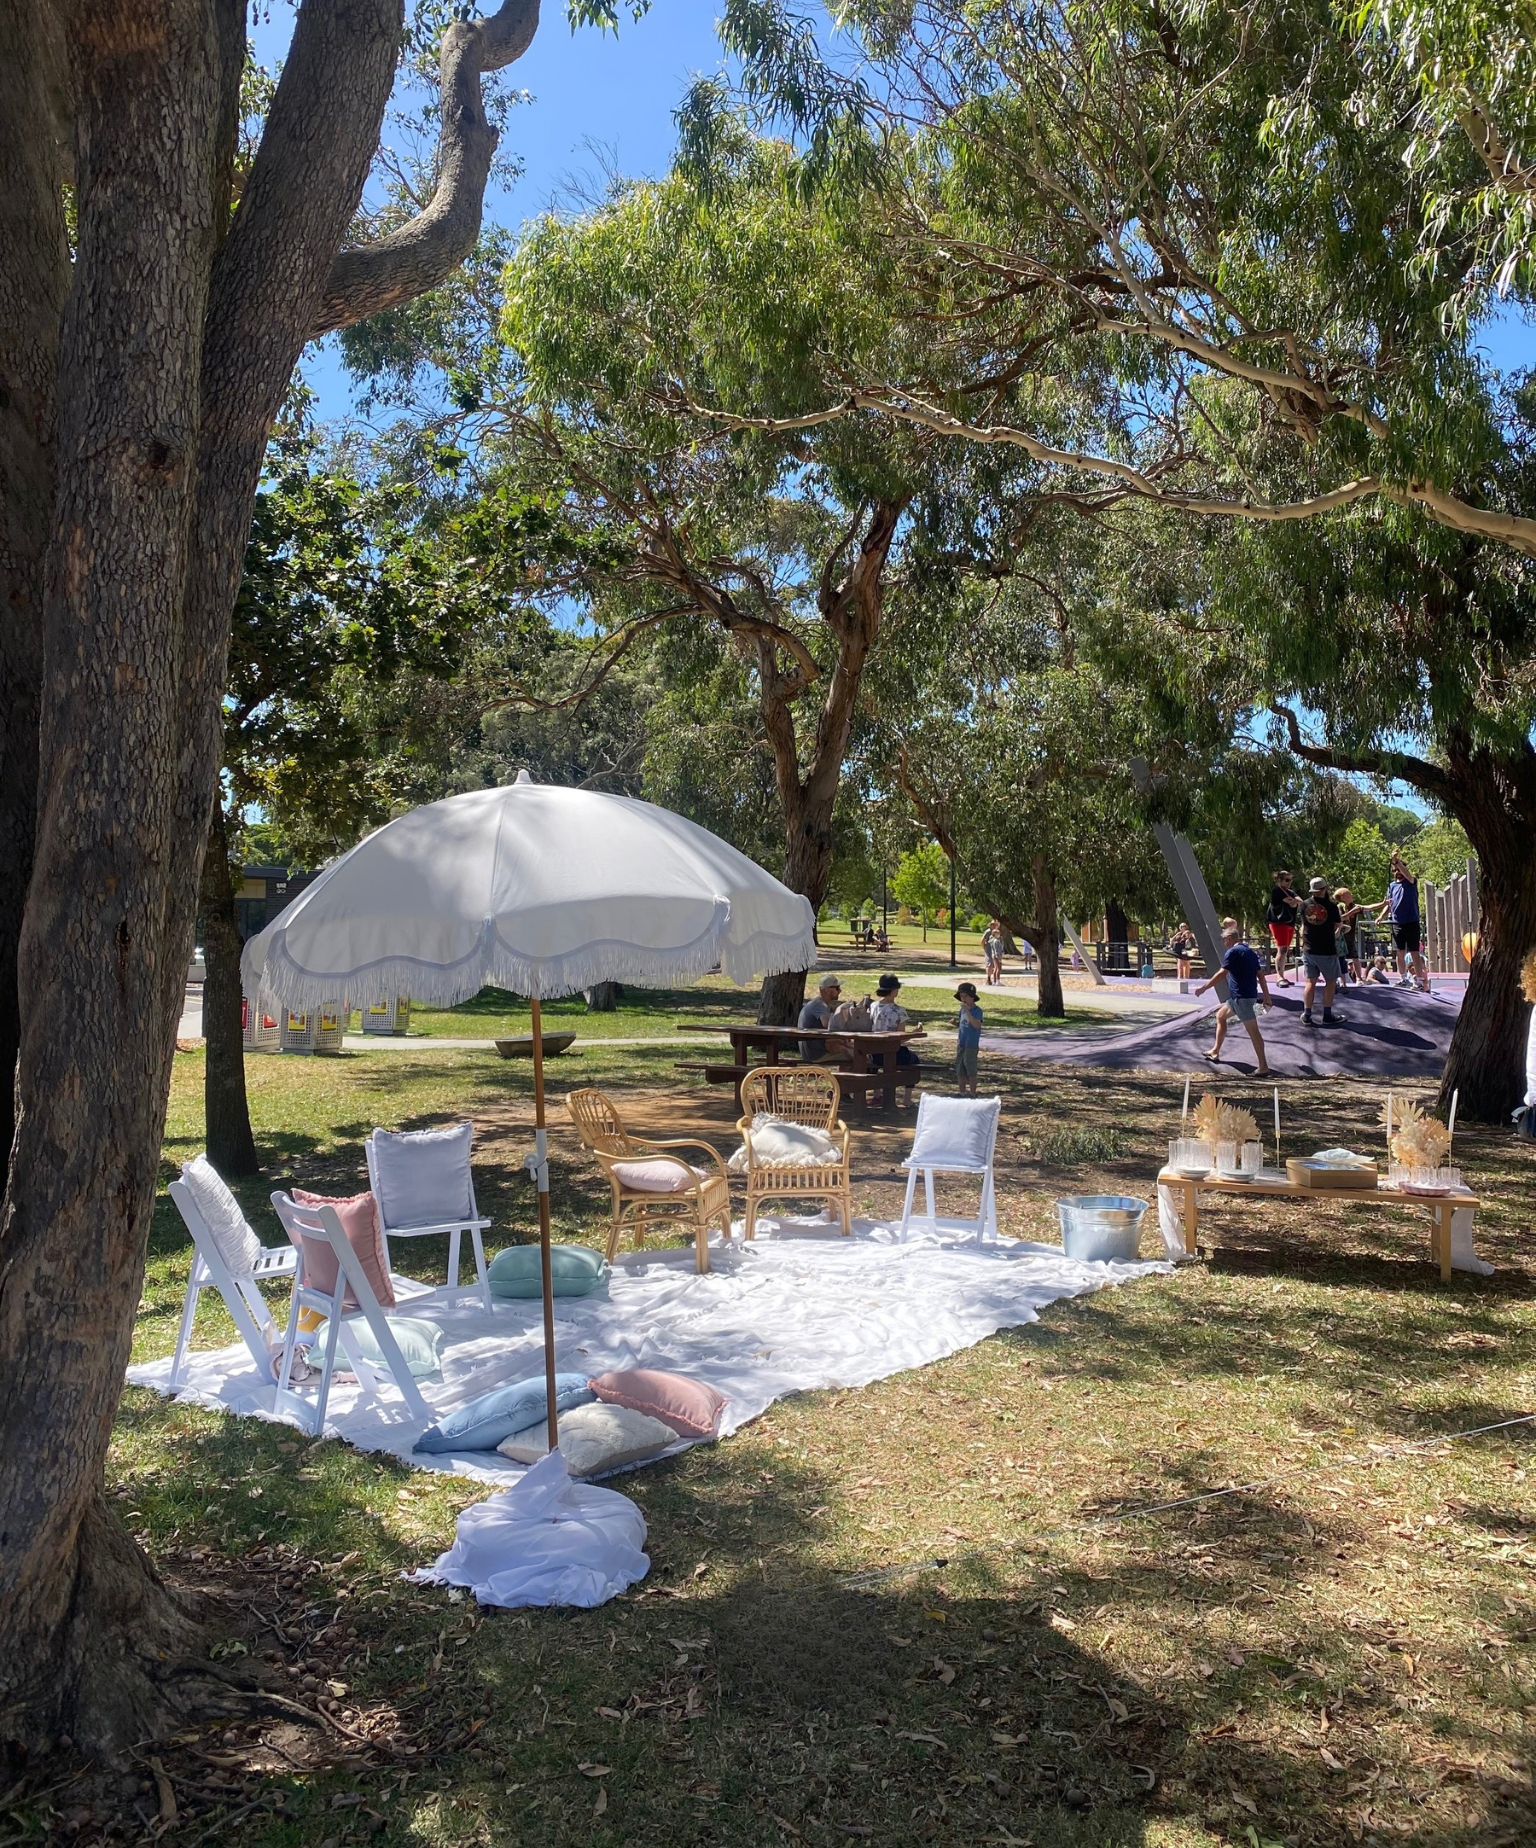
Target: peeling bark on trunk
{"points": [[226, 1111], [177, 340], [34, 280]]}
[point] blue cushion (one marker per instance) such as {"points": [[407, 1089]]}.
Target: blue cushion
{"points": [[484, 1422], [573, 1269]]}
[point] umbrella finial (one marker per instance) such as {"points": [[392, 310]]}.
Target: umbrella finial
{"points": [[522, 776]]}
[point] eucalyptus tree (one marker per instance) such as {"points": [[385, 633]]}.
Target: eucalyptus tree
{"points": [[765, 562], [149, 323]]}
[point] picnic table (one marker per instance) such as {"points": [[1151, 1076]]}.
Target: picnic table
{"points": [[1275, 1185], [753, 1045]]}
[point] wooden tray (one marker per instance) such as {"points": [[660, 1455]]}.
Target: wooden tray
{"points": [[1309, 1174]]}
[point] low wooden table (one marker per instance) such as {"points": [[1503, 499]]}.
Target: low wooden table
{"points": [[1275, 1185]]}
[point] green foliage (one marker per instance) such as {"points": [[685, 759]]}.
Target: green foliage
{"points": [[922, 881], [1440, 851], [1361, 861]]}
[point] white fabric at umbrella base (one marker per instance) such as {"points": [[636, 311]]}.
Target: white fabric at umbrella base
{"points": [[546, 1540], [800, 1308]]}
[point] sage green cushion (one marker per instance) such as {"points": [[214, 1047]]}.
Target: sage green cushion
{"points": [[574, 1270]]}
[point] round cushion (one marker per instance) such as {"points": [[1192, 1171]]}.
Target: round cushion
{"points": [[574, 1270]]}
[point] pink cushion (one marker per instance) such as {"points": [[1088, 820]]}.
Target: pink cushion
{"points": [[690, 1407], [360, 1221], [658, 1177]]}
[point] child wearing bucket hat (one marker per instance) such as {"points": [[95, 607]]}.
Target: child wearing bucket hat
{"points": [[967, 1039]]}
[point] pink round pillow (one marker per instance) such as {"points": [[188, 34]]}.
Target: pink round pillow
{"points": [[691, 1408]]}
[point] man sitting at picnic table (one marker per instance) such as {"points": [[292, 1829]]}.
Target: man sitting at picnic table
{"points": [[817, 1012]]}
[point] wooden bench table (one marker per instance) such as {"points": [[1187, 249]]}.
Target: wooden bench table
{"points": [[1273, 1185], [753, 1045]]}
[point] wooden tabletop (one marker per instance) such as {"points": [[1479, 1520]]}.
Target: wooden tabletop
{"points": [[1271, 1181], [799, 1033]]}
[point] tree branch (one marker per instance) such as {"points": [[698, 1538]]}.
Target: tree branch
{"points": [[1403, 766], [420, 253]]}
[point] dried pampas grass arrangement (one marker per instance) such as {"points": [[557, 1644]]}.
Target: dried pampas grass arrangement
{"points": [[1415, 1139], [1217, 1122]]}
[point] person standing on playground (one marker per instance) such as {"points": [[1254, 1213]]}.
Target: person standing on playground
{"points": [[1280, 916], [1402, 907], [1245, 978], [1319, 951]]}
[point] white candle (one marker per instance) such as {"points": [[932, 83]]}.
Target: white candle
{"points": [[1277, 1126], [1184, 1114], [1389, 1119], [1450, 1128]]}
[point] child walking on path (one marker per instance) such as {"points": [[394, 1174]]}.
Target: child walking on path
{"points": [[968, 1039], [1245, 977]]}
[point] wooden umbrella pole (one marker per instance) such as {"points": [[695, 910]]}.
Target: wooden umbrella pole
{"points": [[541, 1179]]}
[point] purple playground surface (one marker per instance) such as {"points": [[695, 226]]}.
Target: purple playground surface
{"points": [[1380, 1033]]}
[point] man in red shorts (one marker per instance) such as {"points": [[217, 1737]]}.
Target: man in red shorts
{"points": [[1281, 919]]}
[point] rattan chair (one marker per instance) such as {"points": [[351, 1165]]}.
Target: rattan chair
{"points": [[653, 1189], [807, 1094]]}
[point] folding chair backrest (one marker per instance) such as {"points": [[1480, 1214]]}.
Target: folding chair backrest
{"points": [[301, 1222], [204, 1191], [421, 1177], [959, 1133], [807, 1094], [234, 1281], [598, 1123]]}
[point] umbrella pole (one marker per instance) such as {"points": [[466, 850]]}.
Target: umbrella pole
{"points": [[541, 1180]]}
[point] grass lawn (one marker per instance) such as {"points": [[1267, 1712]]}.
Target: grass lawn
{"points": [[714, 1001], [927, 1611]]}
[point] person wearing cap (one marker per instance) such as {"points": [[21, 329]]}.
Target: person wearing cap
{"points": [[1319, 951], [817, 1012], [967, 1039], [1245, 978], [889, 1016]]}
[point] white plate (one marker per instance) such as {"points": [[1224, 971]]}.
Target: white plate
{"points": [[1192, 1174]]}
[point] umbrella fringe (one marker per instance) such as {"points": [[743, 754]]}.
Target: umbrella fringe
{"points": [[494, 966]]}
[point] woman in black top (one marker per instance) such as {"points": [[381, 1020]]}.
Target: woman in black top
{"points": [[1280, 915]]}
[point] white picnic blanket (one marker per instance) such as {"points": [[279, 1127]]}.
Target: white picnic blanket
{"points": [[800, 1308]]}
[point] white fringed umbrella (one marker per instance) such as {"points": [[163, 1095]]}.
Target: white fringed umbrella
{"points": [[539, 890]]}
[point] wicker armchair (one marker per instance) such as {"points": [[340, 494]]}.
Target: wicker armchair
{"points": [[807, 1094], [653, 1189]]}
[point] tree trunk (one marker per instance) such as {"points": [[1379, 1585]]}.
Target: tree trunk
{"points": [[852, 609], [178, 339], [603, 997], [1047, 939], [231, 1146], [34, 280], [1494, 799]]}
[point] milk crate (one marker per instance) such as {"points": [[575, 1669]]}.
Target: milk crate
{"points": [[388, 1016], [259, 1031], [320, 1030]]}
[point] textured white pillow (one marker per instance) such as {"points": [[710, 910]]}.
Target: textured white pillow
{"points": [[953, 1132], [777, 1144], [593, 1438], [238, 1245]]}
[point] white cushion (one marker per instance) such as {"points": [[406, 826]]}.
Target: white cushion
{"points": [[593, 1438], [237, 1244], [422, 1176], [777, 1144], [954, 1132]]}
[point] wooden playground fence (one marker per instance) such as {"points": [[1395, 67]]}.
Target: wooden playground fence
{"points": [[1450, 915]]}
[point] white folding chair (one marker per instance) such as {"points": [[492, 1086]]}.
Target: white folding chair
{"points": [[954, 1135], [234, 1268], [422, 1186], [351, 1298]]}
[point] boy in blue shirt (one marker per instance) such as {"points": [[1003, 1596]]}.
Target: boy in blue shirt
{"points": [[968, 1039], [1245, 978]]}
